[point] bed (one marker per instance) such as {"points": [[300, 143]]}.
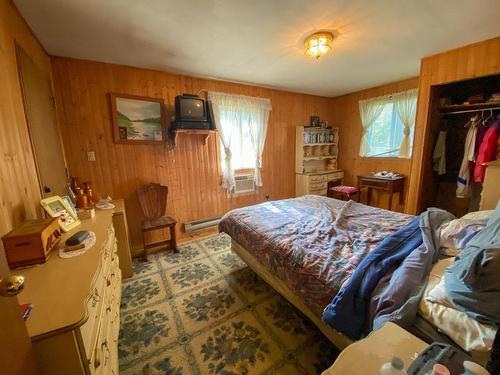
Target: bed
{"points": [[307, 247]]}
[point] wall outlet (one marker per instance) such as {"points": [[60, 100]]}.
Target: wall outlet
{"points": [[90, 155]]}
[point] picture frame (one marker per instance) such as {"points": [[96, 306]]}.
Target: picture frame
{"points": [[314, 121], [137, 120]]}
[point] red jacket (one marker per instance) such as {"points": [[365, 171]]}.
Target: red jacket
{"points": [[487, 150]]}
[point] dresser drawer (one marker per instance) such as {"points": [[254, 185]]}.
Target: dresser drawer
{"points": [[100, 354], [317, 179], [318, 186], [108, 249], [318, 192], [382, 184], [335, 176], [99, 299], [94, 308]]}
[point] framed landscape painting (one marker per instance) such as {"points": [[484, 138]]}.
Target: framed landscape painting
{"points": [[137, 119]]}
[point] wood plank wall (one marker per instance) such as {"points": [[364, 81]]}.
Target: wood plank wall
{"points": [[345, 114], [19, 189], [474, 60], [192, 170]]}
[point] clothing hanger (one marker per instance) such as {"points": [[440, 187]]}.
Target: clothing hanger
{"points": [[485, 120], [473, 121]]}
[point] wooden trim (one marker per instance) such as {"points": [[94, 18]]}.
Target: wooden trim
{"points": [[338, 339], [114, 119], [472, 61], [19, 51]]}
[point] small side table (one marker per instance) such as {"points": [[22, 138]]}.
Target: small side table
{"points": [[368, 355], [388, 184]]}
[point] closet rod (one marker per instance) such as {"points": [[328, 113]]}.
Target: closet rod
{"points": [[469, 110]]}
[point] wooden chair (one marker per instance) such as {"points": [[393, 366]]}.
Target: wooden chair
{"points": [[153, 200]]}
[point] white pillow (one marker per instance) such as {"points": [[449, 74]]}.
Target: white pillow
{"points": [[455, 234], [438, 295], [437, 309]]}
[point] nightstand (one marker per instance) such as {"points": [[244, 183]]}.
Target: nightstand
{"points": [[368, 355], [387, 184]]}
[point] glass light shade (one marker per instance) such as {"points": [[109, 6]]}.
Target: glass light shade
{"points": [[319, 44]]}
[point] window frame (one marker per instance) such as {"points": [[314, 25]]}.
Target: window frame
{"points": [[394, 118]]}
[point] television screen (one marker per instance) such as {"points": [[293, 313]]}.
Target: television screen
{"points": [[192, 109]]}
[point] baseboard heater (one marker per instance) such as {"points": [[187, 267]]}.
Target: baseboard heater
{"points": [[197, 225]]}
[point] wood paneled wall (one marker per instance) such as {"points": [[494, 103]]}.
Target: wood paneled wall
{"points": [[345, 115], [475, 60], [192, 170], [19, 188]]}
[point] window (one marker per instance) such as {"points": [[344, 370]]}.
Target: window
{"points": [[386, 134], [242, 125], [388, 125], [242, 150]]}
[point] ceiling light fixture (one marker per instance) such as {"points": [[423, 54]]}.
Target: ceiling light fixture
{"points": [[319, 44]]}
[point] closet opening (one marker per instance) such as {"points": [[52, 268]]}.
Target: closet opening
{"points": [[460, 114]]}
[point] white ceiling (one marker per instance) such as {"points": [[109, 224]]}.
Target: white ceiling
{"points": [[261, 41]]}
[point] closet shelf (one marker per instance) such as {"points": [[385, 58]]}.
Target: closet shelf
{"points": [[445, 109]]}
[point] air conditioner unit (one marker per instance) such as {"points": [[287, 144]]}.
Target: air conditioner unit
{"points": [[244, 183]]}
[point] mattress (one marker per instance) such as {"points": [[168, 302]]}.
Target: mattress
{"points": [[311, 243]]}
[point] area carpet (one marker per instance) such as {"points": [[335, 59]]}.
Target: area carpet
{"points": [[203, 311]]}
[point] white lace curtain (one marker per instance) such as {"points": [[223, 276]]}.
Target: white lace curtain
{"points": [[369, 111], [405, 105], [231, 114]]}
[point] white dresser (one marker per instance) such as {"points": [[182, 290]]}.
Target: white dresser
{"points": [[75, 320], [316, 153], [316, 183]]}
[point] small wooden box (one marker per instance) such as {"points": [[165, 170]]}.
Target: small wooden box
{"points": [[32, 242]]}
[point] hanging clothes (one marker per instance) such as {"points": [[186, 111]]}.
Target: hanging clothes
{"points": [[487, 150], [439, 154], [464, 173]]}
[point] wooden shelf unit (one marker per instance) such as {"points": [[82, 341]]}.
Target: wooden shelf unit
{"points": [[315, 150]]}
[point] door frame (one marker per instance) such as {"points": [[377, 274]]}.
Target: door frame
{"points": [[19, 51]]}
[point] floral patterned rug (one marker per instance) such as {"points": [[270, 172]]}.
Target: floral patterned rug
{"points": [[203, 311]]}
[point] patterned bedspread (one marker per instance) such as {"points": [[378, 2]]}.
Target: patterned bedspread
{"points": [[312, 243]]}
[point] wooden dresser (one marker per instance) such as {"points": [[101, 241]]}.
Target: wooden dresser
{"points": [[316, 183], [75, 320], [316, 153]]}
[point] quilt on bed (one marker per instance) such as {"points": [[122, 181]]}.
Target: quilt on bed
{"points": [[312, 243]]}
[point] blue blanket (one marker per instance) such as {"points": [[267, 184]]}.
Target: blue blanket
{"points": [[412, 248], [473, 281]]}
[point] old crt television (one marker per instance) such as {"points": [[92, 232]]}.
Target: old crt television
{"points": [[191, 112]]}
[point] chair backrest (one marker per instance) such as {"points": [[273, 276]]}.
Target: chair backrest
{"points": [[153, 200]]}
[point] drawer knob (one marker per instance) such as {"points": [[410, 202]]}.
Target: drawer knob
{"points": [[11, 285], [97, 361], [95, 298]]}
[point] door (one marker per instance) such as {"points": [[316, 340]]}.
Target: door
{"points": [[44, 134], [16, 353]]}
